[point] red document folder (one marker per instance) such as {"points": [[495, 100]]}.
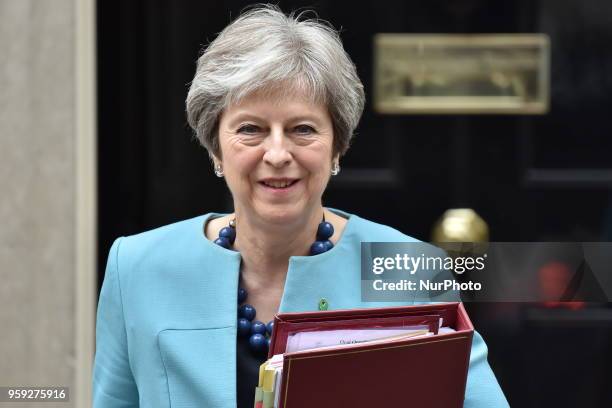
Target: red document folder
{"points": [[421, 372]]}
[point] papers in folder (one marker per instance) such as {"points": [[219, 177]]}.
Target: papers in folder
{"points": [[267, 394]]}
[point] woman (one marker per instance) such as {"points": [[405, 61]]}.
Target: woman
{"points": [[275, 100]]}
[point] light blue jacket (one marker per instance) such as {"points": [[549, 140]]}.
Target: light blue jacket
{"points": [[166, 324]]}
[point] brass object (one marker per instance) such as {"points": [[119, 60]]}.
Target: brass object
{"points": [[460, 225], [461, 74]]}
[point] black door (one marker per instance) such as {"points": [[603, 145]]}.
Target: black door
{"points": [[531, 178]]}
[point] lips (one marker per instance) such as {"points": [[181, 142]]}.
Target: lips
{"points": [[279, 183]]}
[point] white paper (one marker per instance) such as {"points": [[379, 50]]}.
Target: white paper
{"points": [[327, 338], [277, 386]]}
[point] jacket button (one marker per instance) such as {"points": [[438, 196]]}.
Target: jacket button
{"points": [[323, 305]]}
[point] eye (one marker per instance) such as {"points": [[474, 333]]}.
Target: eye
{"points": [[249, 129], [304, 130]]}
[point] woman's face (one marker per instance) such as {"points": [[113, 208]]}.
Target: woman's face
{"points": [[276, 155]]}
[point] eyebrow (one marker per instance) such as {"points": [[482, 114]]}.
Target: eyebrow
{"points": [[241, 117]]}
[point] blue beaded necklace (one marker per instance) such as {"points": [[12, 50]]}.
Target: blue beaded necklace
{"points": [[258, 332]]}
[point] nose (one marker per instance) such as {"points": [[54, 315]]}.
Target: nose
{"points": [[277, 149]]}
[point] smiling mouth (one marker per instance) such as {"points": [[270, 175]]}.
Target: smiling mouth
{"points": [[278, 184]]}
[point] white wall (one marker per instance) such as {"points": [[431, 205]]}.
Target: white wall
{"points": [[47, 190]]}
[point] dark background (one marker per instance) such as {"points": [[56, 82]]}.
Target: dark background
{"points": [[531, 178]]}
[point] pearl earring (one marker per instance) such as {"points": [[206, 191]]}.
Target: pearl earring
{"points": [[335, 169], [218, 170]]}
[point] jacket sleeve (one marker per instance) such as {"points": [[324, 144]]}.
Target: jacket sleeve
{"points": [[113, 381], [482, 389]]}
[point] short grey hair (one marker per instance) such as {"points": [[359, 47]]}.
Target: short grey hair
{"points": [[266, 50]]}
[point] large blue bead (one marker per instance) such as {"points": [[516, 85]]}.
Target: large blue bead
{"points": [[318, 247], [270, 327], [229, 233], [242, 295], [247, 311], [224, 242], [258, 342], [244, 327], [325, 231], [258, 327], [268, 341]]}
